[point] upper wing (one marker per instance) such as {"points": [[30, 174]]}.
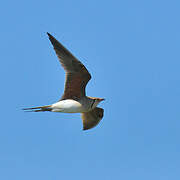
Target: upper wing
{"points": [[77, 76], [92, 118]]}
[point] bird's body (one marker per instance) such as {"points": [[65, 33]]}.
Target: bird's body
{"points": [[74, 99], [69, 106], [72, 106]]}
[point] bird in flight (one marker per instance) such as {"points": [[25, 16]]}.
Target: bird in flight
{"points": [[74, 99]]}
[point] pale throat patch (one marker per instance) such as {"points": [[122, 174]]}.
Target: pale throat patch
{"points": [[95, 103]]}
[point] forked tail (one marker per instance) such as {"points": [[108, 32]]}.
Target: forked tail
{"points": [[38, 109]]}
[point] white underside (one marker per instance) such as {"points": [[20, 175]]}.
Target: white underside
{"points": [[68, 106]]}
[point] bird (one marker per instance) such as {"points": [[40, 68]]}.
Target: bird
{"points": [[74, 99]]}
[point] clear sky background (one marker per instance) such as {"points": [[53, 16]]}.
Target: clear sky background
{"points": [[132, 50]]}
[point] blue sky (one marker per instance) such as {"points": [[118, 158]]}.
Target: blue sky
{"points": [[131, 48]]}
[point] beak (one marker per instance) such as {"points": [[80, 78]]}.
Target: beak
{"points": [[102, 99]]}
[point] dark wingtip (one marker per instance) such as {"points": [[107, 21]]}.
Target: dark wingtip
{"points": [[49, 34], [51, 38], [85, 128]]}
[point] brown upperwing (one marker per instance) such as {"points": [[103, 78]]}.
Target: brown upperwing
{"points": [[92, 118], [77, 76]]}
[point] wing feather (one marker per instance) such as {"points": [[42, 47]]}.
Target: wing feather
{"points": [[77, 76], [92, 118]]}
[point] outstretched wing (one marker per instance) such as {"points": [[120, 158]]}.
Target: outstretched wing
{"points": [[92, 118], [77, 76]]}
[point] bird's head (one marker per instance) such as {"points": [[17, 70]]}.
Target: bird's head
{"points": [[97, 101]]}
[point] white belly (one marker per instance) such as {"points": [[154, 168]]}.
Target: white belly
{"points": [[67, 106]]}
